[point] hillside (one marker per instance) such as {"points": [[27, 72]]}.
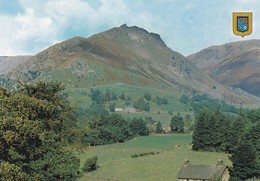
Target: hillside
{"points": [[122, 56], [7, 63], [234, 64]]}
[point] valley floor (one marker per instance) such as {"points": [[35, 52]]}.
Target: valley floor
{"points": [[115, 161]]}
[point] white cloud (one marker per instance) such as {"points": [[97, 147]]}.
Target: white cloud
{"points": [[45, 22], [112, 11], [8, 45], [25, 33], [29, 26]]}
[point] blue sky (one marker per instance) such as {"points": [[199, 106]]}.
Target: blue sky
{"points": [[186, 26]]}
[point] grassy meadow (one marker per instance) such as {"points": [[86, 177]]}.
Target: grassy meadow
{"points": [[115, 162]]}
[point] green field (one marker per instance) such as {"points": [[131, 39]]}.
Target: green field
{"points": [[115, 162]]}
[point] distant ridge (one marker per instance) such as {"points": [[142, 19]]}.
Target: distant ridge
{"points": [[235, 64]]}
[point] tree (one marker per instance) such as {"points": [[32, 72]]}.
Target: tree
{"points": [[141, 105], [90, 164], [64, 165], [159, 128], [184, 99], [108, 96], [146, 107], [254, 115], [97, 96], [235, 133], [114, 96], [201, 132], [177, 124], [210, 130], [128, 100], [138, 127], [244, 162], [164, 101], [35, 122], [112, 107], [147, 96], [122, 96], [252, 137], [96, 109]]}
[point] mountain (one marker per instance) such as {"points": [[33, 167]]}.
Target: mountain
{"points": [[122, 56], [7, 63], [234, 64]]}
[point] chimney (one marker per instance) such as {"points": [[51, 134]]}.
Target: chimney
{"points": [[220, 162], [186, 162]]}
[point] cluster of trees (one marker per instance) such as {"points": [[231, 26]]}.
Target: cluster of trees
{"points": [[159, 101], [100, 98], [198, 102], [114, 128], [36, 122], [177, 124], [237, 135], [142, 105]]}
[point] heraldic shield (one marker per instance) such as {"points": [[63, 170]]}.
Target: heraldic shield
{"points": [[242, 23]]}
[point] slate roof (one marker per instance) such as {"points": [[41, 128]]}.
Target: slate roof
{"points": [[202, 172]]}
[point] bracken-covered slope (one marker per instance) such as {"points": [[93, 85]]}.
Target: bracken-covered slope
{"points": [[122, 55], [234, 64]]}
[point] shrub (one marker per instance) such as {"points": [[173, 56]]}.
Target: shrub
{"points": [[147, 96], [170, 112], [152, 153], [90, 164], [144, 154], [164, 101], [134, 156]]}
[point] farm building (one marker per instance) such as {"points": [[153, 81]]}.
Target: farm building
{"points": [[190, 172], [118, 109]]}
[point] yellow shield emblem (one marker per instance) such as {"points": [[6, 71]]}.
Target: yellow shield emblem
{"points": [[242, 23]]}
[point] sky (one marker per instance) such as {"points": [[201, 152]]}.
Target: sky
{"points": [[187, 26]]}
